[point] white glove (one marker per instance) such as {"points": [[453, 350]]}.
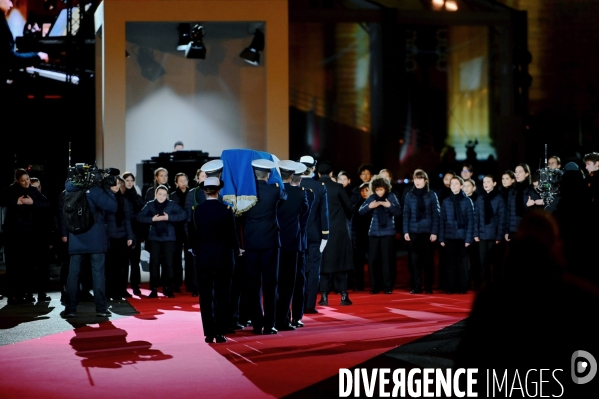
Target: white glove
{"points": [[323, 244]]}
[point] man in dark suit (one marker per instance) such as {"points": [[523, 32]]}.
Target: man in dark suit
{"points": [[292, 216], [317, 231], [261, 241]]}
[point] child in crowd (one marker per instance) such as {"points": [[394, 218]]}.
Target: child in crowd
{"points": [[360, 226], [488, 228], [384, 206], [162, 214], [421, 228], [456, 233], [469, 189]]}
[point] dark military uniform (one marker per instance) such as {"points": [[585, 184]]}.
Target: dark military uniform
{"points": [[215, 247], [292, 216], [261, 243], [317, 230]]}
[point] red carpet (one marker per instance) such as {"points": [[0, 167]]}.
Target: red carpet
{"points": [[161, 352]]}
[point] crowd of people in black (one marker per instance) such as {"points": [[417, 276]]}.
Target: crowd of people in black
{"points": [[265, 267]]}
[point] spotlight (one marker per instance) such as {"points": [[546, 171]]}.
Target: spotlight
{"points": [[184, 36], [195, 48], [251, 54]]}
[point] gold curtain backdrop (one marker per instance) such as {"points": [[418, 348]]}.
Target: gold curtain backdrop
{"points": [[468, 90]]}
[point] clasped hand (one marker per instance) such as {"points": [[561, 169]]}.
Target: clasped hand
{"points": [[24, 200], [160, 218], [375, 204]]}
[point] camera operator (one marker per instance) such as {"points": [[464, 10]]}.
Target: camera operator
{"points": [[93, 243]]}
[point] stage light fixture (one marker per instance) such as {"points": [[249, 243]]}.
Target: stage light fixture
{"points": [[195, 48], [251, 54], [184, 36]]}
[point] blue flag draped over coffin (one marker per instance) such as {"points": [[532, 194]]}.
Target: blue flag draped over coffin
{"points": [[240, 189]]}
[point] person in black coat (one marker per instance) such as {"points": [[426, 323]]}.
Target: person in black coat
{"points": [[318, 232], [421, 227], [344, 179], [489, 214], [120, 233], [384, 207], [360, 227], [456, 232], [292, 216], [591, 162], [471, 192], [179, 197], [215, 245], [365, 171], [261, 243], [140, 231], [337, 257], [162, 214], [521, 199], [443, 192], [47, 240], [578, 231], [23, 228]]}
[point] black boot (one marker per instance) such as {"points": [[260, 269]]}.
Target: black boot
{"points": [[345, 299], [324, 299]]}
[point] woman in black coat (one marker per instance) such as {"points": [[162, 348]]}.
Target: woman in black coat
{"points": [[120, 233], [140, 231], [520, 200], [23, 232]]}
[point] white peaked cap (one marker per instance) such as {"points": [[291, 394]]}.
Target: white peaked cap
{"points": [[212, 166], [288, 165], [308, 160], [212, 182], [301, 168], [263, 164]]}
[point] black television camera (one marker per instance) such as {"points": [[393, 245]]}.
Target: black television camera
{"points": [[549, 182], [86, 176]]}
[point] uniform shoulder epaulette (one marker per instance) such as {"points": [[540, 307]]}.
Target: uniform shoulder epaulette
{"points": [[277, 184]]}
